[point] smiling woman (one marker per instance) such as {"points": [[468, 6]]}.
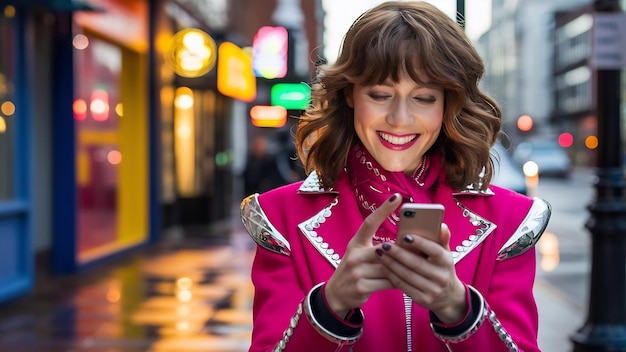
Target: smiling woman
{"points": [[397, 119]]}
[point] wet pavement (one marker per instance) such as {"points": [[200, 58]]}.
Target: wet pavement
{"points": [[190, 294]]}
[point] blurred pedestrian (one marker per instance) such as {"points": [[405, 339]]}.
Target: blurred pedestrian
{"points": [[289, 166], [261, 173], [397, 118]]}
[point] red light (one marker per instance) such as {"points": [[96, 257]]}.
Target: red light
{"points": [[566, 139], [80, 109], [525, 123]]}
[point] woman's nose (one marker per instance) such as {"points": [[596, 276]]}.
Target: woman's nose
{"points": [[400, 114]]}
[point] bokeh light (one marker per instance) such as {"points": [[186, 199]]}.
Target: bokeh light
{"points": [[114, 157], [566, 139], [7, 108], [525, 123], [591, 142], [80, 109], [80, 42], [530, 169]]}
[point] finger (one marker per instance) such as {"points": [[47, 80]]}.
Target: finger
{"points": [[373, 221], [444, 236], [425, 261], [378, 284], [401, 275]]}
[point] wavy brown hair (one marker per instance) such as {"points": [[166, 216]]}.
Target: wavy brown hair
{"points": [[386, 40]]}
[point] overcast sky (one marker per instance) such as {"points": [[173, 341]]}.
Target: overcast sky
{"points": [[341, 13]]}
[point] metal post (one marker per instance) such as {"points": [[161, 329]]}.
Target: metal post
{"points": [[460, 12], [605, 327]]}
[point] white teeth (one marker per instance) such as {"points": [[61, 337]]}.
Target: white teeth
{"points": [[397, 140]]}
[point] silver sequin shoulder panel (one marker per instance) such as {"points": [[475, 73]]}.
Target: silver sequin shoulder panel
{"points": [[259, 227], [528, 232]]}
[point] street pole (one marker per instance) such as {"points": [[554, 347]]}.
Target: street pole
{"points": [[460, 12], [605, 327]]}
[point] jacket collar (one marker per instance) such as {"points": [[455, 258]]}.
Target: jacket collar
{"points": [[463, 215], [312, 185]]}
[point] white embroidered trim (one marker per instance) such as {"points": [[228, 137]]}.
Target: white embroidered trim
{"points": [[287, 334], [308, 228], [483, 229]]}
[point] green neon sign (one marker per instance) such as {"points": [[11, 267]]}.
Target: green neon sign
{"points": [[291, 96]]}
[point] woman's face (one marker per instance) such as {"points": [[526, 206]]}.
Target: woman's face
{"points": [[397, 122]]}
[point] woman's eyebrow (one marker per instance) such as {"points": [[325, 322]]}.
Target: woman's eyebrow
{"points": [[419, 85]]}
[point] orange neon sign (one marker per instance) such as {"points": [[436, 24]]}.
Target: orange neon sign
{"points": [[268, 116]]}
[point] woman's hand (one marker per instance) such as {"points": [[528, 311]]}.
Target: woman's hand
{"points": [[360, 273], [429, 279]]}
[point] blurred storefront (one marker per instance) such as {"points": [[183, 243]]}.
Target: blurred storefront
{"points": [[75, 144], [195, 119], [97, 154], [118, 120]]}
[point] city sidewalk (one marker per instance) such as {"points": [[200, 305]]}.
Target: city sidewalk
{"points": [[564, 260], [186, 294], [559, 318]]}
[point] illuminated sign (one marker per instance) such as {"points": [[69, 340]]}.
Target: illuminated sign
{"points": [[291, 96], [191, 53], [269, 52], [268, 116], [234, 73]]}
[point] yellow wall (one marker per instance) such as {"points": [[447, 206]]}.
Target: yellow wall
{"points": [[133, 141]]}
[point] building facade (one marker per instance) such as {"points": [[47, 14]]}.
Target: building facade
{"points": [[530, 71]]}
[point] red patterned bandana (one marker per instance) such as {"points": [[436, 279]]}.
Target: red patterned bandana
{"points": [[373, 185]]}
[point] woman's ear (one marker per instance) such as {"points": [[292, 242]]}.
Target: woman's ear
{"points": [[349, 99]]}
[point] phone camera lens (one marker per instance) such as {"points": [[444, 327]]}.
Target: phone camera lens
{"points": [[409, 213]]}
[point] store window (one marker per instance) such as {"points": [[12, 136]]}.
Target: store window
{"points": [[7, 106], [97, 114], [111, 119]]}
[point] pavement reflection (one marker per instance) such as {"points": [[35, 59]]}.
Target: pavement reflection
{"points": [[191, 295], [549, 249]]}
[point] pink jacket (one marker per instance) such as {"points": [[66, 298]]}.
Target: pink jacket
{"points": [[303, 231]]}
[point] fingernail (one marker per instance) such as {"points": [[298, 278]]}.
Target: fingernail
{"points": [[408, 239], [379, 252], [393, 198], [386, 246]]}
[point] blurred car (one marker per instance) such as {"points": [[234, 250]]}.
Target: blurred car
{"points": [[549, 156], [506, 172]]}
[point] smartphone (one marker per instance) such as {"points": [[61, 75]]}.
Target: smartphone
{"points": [[421, 219]]}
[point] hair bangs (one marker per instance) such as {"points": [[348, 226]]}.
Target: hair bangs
{"points": [[389, 49]]}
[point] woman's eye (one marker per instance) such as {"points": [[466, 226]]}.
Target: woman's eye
{"points": [[427, 100], [378, 96]]}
